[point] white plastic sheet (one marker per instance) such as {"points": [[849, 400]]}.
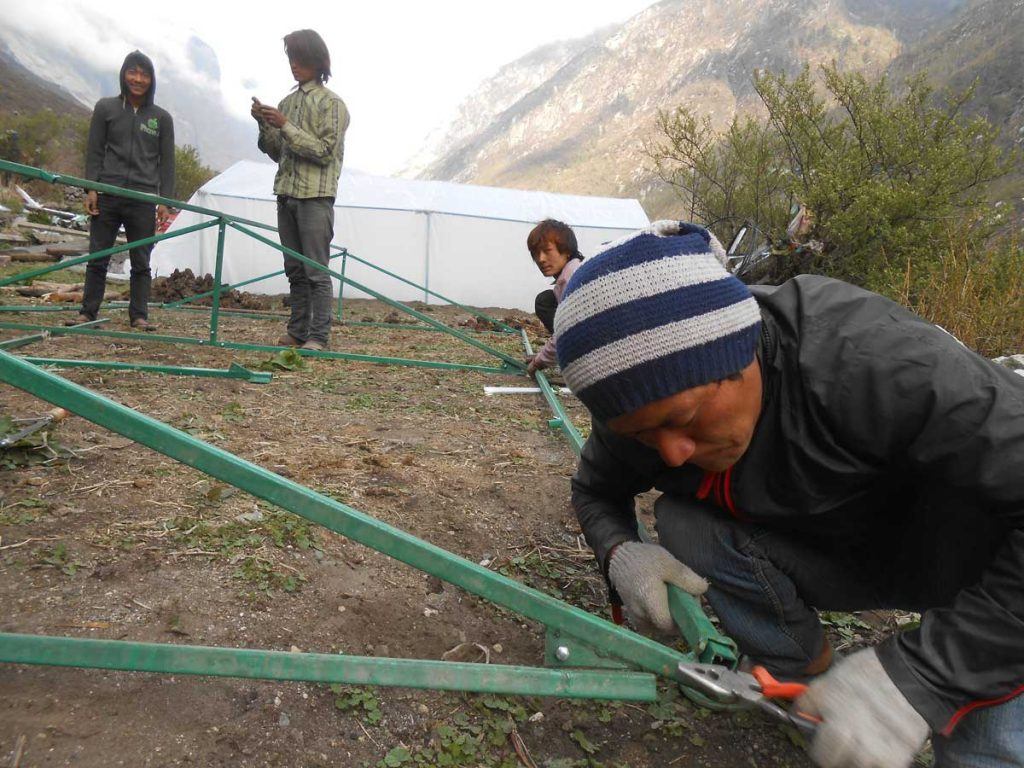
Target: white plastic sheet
{"points": [[465, 242]]}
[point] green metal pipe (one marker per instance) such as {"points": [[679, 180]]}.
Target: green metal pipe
{"points": [[235, 371], [638, 651], [21, 276], [325, 668], [698, 631], [325, 354], [131, 194], [225, 288], [561, 420], [218, 269], [341, 284], [512, 361], [470, 310], [22, 341]]}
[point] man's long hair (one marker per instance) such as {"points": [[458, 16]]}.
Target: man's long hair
{"points": [[309, 49]]}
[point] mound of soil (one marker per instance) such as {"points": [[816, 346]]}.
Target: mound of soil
{"points": [[181, 284]]}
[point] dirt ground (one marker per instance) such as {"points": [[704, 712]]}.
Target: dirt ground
{"points": [[115, 541]]}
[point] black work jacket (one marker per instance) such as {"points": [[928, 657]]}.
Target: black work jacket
{"points": [[132, 148], [863, 403]]}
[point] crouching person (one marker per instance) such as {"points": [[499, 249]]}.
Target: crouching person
{"points": [[816, 446]]}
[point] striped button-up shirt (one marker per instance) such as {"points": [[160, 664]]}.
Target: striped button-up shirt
{"points": [[310, 147]]}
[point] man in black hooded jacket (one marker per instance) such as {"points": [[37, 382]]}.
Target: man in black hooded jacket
{"points": [[131, 145], [816, 446]]}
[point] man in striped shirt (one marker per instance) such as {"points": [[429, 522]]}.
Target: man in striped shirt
{"points": [[305, 136]]}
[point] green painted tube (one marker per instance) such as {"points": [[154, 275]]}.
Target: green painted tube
{"points": [[512, 361], [561, 420], [99, 254], [640, 652], [217, 288], [698, 631], [235, 371], [22, 341], [131, 194], [226, 288], [325, 354], [435, 294], [325, 668]]}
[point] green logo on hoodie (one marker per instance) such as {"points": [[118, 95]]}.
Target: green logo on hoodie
{"points": [[151, 126]]}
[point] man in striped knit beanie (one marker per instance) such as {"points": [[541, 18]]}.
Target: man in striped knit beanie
{"points": [[816, 446]]}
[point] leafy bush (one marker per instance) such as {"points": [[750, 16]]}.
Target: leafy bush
{"points": [[884, 175], [189, 172]]}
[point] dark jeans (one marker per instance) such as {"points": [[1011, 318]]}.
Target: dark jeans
{"points": [[767, 581], [307, 226], [545, 305], [139, 221]]}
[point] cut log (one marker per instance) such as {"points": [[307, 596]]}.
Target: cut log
{"points": [[26, 255]]}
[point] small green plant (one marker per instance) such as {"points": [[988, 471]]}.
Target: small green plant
{"points": [[359, 701], [58, 557], [285, 360], [22, 512], [265, 576], [479, 738], [233, 413]]}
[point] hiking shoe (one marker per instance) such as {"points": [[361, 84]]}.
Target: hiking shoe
{"points": [[78, 320], [142, 324], [314, 346], [288, 341]]}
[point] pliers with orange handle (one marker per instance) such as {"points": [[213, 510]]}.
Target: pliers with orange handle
{"points": [[756, 689]]}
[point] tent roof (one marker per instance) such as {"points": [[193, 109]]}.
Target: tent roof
{"points": [[255, 181]]}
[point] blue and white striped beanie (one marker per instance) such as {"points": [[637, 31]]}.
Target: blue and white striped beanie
{"points": [[651, 315]]}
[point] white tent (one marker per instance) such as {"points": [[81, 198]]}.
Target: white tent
{"points": [[464, 242]]}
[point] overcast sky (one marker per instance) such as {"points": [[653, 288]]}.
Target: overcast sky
{"points": [[401, 66]]}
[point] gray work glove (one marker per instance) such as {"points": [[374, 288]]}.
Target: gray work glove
{"points": [[639, 573], [866, 721]]}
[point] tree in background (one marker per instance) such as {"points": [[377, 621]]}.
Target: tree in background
{"points": [[884, 175], [189, 172], [727, 178]]}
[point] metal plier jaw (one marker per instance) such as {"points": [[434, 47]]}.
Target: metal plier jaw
{"points": [[756, 689]]}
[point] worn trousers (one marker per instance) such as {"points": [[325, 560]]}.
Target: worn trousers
{"points": [[139, 220], [307, 226], [544, 306], [767, 580]]}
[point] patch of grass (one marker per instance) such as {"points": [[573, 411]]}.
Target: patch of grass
{"points": [[266, 576], [58, 557], [22, 512], [361, 702], [234, 413], [240, 541], [479, 737]]}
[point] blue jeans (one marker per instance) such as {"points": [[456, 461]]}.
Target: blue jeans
{"points": [[767, 582]]}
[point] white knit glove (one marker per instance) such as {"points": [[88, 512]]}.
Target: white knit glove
{"points": [[866, 721], [639, 573]]}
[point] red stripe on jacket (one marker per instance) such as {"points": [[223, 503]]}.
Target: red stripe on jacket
{"points": [[968, 708]]}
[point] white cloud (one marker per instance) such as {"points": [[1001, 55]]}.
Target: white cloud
{"points": [[401, 66]]}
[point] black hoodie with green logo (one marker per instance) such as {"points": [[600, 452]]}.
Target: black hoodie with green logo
{"points": [[131, 147]]}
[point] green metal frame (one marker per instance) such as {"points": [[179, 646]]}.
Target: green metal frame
{"points": [[578, 630], [234, 371], [575, 638], [509, 363]]}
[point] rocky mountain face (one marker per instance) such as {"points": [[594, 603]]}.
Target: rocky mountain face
{"points": [[188, 87], [574, 117], [981, 45]]}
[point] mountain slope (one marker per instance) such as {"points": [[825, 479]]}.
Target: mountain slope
{"points": [[188, 87], [583, 128]]}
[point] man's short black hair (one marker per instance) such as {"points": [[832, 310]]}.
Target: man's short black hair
{"points": [[309, 49]]}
